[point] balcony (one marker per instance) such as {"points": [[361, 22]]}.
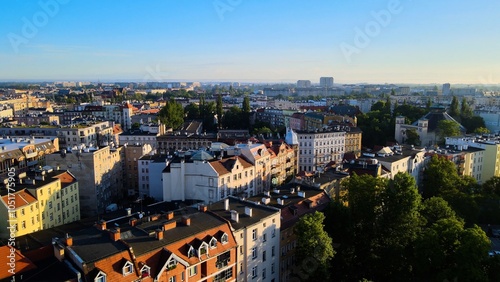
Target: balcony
{"points": [[222, 263]]}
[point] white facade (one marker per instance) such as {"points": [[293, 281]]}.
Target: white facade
{"points": [[316, 149], [208, 181], [150, 170]]}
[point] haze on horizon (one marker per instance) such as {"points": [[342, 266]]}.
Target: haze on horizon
{"points": [[378, 41]]}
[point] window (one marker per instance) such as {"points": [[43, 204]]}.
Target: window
{"points": [[254, 253], [213, 243], [272, 268], [191, 252], [171, 279], [264, 237], [171, 264], [264, 256], [128, 268], [272, 251], [193, 270], [254, 234], [224, 238], [254, 272], [264, 273], [273, 233], [145, 271], [100, 277]]}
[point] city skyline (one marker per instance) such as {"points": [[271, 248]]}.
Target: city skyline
{"points": [[252, 41]]}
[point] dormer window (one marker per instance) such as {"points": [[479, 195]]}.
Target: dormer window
{"points": [[128, 268], [145, 271], [100, 277], [213, 243], [224, 238], [191, 252], [203, 249], [171, 264]]}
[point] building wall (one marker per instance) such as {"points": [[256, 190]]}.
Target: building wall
{"points": [[318, 148]]}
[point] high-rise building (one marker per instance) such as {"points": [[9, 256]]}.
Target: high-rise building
{"points": [[303, 83], [326, 81], [446, 89]]}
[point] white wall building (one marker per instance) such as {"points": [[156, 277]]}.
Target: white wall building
{"points": [[317, 149]]}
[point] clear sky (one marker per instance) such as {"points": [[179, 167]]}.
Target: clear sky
{"points": [[374, 41]]}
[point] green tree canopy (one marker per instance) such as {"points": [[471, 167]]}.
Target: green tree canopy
{"points": [[172, 114], [454, 111], [447, 128], [314, 248]]}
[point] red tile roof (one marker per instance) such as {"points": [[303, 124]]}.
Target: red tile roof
{"points": [[22, 198], [21, 263]]}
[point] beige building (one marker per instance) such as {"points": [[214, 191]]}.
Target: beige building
{"points": [[132, 155], [283, 162], [99, 172], [43, 199]]}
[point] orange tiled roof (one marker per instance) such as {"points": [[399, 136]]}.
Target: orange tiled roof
{"points": [[66, 178], [22, 263], [113, 266], [225, 166], [151, 111], [22, 198]]}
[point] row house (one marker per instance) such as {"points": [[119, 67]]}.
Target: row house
{"points": [[283, 162]]}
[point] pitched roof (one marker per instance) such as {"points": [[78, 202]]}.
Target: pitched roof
{"points": [[22, 198], [22, 263]]}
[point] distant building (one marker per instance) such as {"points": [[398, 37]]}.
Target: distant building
{"points": [[446, 89], [326, 82], [303, 83]]}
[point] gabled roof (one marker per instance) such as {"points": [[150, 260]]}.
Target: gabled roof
{"points": [[226, 165], [22, 198]]}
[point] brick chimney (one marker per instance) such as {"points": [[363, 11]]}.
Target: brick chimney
{"points": [[170, 215], [101, 225], [132, 221], [159, 234], [186, 220], [69, 240], [169, 225], [115, 234]]}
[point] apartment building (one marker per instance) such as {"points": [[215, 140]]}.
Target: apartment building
{"points": [[42, 199], [256, 229], [200, 176], [283, 162], [318, 148], [150, 170], [100, 172], [132, 154], [183, 246], [24, 153], [293, 201]]}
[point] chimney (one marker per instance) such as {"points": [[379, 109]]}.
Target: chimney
{"points": [[170, 215], [235, 216], [159, 234], [115, 234], [169, 225], [248, 211], [155, 217], [132, 221], [69, 240], [203, 208], [101, 225], [281, 202], [298, 188], [302, 194], [226, 204], [186, 220]]}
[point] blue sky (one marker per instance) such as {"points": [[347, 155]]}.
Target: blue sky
{"points": [[372, 41]]}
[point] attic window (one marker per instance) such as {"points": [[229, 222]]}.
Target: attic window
{"points": [[145, 271], [172, 263], [213, 243], [128, 268], [100, 277], [224, 238], [203, 249], [191, 252]]}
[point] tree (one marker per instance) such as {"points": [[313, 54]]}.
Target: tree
{"points": [[481, 130], [172, 114], [136, 125], [246, 105], [465, 109], [428, 104], [453, 111], [219, 111], [314, 247], [436, 208], [492, 186], [412, 137], [448, 251], [232, 118], [473, 123], [440, 177], [447, 128], [192, 111]]}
